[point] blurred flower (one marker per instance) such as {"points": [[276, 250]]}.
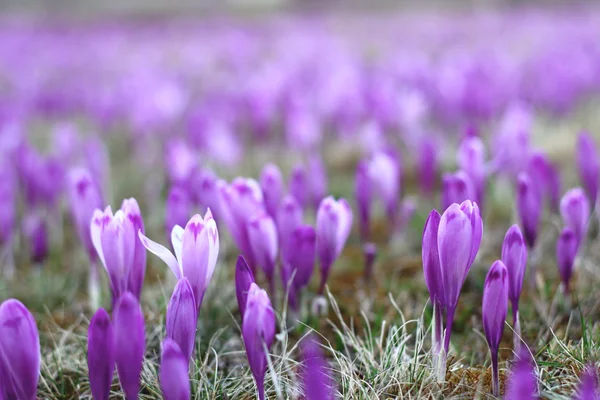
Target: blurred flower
{"points": [[36, 231], [514, 257], [471, 159], [299, 185], [317, 180], [546, 176], [529, 207], [588, 163], [262, 234], [173, 373], [384, 174], [575, 212], [427, 165], [243, 279], [84, 198], [178, 208], [289, 217], [101, 354], [299, 263], [588, 388], [316, 377], [522, 382], [363, 195], [271, 184], [456, 188], [370, 253], [566, 251]]}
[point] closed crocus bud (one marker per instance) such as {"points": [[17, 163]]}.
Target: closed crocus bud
{"points": [[362, 192], [114, 239], [84, 198], [471, 159], [301, 262], [299, 185], [177, 209], [334, 221], [243, 279], [431, 259], [19, 352], [262, 233], [271, 184], [208, 193], [316, 378], [241, 200], [101, 354], [182, 317], [541, 170], [588, 388], [522, 382], [289, 217], [456, 188], [566, 251], [196, 248], [427, 166], [588, 164], [384, 174], [514, 257], [493, 313], [317, 180], [36, 232], [131, 209], [258, 331], [173, 374], [575, 212], [130, 343], [529, 207]]}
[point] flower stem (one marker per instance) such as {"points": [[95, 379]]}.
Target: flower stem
{"points": [[495, 377], [516, 328]]}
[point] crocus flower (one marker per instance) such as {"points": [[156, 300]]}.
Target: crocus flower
{"points": [[258, 331], [427, 166], [130, 343], [289, 217], [196, 248], [36, 232], [208, 192], [541, 170], [173, 374], [300, 262], [575, 212], [138, 267], [262, 234], [317, 381], [588, 163], [362, 192], [514, 257], [97, 160], [317, 180], [182, 317], [529, 207], [493, 313], [243, 279], [456, 188], [19, 352], [384, 175], [566, 252], [84, 198], [334, 221], [180, 161], [471, 159], [298, 186], [101, 354], [178, 208], [522, 382], [271, 184], [588, 388]]}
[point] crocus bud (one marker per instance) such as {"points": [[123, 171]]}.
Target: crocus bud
{"points": [[130, 343], [541, 170], [588, 388], [180, 161], [289, 217], [471, 159], [271, 184], [301, 262], [173, 374], [178, 208], [19, 352], [384, 174], [427, 166], [258, 331], [182, 317], [97, 160], [575, 212], [456, 188], [241, 200], [36, 232], [588, 164], [334, 221], [514, 257], [138, 267], [262, 234], [196, 248], [317, 180], [316, 378], [208, 193], [84, 198], [243, 279], [362, 192], [299, 185], [493, 313], [566, 251], [431, 259], [522, 382], [101, 354], [529, 207]]}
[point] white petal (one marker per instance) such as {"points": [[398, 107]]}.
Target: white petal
{"points": [[96, 233], [163, 253], [177, 241]]}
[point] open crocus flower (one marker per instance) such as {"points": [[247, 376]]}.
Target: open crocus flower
{"points": [[196, 251]]}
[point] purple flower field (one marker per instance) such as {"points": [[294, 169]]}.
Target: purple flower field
{"points": [[334, 205]]}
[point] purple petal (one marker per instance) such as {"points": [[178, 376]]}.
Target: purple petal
{"points": [[588, 388], [271, 184], [363, 196], [566, 251], [163, 253], [101, 354], [575, 212], [299, 185], [289, 217], [173, 374], [522, 382], [138, 268], [262, 234], [514, 257], [431, 258], [529, 206], [588, 164], [243, 279], [181, 319], [495, 304], [302, 257], [318, 383]]}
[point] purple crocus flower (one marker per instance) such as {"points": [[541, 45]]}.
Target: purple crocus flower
{"points": [[173, 373], [471, 159], [36, 231], [575, 212], [97, 160], [514, 257], [271, 184], [196, 251], [588, 388], [84, 198], [178, 208], [493, 313], [456, 188], [529, 207], [427, 166], [363, 196], [384, 175], [262, 234], [588, 163], [300, 262], [298, 186], [138, 267], [19, 352], [522, 382], [182, 317], [317, 180], [130, 343], [289, 217], [208, 192], [243, 279], [566, 252], [258, 331], [317, 381], [334, 221], [180, 161], [101, 354], [541, 170]]}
